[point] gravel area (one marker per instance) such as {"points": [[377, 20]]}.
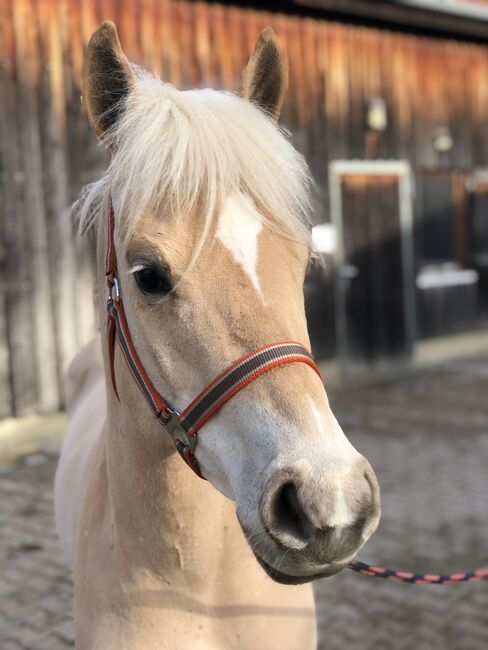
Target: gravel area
{"points": [[426, 437]]}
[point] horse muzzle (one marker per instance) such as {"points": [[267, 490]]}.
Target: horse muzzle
{"points": [[312, 527]]}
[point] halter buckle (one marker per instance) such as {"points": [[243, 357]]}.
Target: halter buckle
{"points": [[177, 431], [113, 288]]}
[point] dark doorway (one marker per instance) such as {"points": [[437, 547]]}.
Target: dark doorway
{"points": [[477, 248], [449, 252], [374, 283]]}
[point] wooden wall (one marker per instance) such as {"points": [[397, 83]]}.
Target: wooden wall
{"points": [[47, 151]]}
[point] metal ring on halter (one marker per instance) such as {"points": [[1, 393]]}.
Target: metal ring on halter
{"points": [[176, 430]]}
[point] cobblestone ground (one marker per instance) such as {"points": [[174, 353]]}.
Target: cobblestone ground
{"points": [[427, 438]]}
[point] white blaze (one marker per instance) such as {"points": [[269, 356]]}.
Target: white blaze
{"points": [[238, 230], [339, 452]]}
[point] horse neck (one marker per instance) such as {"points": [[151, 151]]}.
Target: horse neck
{"points": [[168, 556], [166, 519]]}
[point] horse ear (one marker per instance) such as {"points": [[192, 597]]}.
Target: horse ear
{"points": [[266, 75], [107, 79]]}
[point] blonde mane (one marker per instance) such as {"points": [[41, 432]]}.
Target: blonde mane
{"points": [[188, 150]]}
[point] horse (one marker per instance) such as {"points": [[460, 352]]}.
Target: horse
{"points": [[202, 225]]}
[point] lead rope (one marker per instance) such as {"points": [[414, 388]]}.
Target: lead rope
{"points": [[373, 571]]}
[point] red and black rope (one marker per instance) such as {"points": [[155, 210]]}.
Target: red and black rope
{"points": [[477, 575]]}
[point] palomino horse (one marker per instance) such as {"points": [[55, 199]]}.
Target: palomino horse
{"points": [[203, 235]]}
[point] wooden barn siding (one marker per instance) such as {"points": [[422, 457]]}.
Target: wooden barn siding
{"points": [[47, 151]]}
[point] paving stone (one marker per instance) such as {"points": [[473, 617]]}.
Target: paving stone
{"points": [[426, 437]]}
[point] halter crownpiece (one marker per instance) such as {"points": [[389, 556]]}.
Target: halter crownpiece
{"points": [[183, 427]]}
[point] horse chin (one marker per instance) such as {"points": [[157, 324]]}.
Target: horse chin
{"points": [[287, 579]]}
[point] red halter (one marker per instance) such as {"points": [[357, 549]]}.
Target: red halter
{"points": [[183, 427]]}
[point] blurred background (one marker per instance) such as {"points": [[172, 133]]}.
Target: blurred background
{"points": [[388, 101]]}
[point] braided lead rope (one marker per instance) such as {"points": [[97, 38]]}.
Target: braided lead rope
{"points": [[418, 578]]}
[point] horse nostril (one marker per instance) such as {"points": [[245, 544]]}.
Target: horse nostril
{"points": [[288, 515]]}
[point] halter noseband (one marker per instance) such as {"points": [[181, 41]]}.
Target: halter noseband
{"points": [[183, 427]]}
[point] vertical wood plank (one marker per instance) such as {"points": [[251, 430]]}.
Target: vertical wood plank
{"points": [[236, 47], [221, 42], [202, 44], [9, 197], [359, 76], [41, 369], [56, 184], [87, 161]]}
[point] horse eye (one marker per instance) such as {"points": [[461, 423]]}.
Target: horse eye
{"points": [[153, 281]]}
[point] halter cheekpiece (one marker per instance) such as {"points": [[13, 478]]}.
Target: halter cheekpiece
{"points": [[183, 426]]}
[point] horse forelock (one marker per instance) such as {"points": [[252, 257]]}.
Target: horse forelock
{"points": [[186, 152]]}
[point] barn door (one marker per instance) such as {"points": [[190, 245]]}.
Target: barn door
{"points": [[371, 206], [477, 248]]}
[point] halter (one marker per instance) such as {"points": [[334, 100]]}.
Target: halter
{"points": [[183, 426]]}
